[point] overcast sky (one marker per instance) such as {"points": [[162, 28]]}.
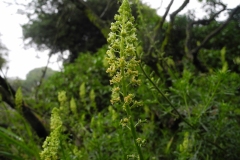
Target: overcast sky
{"points": [[21, 61]]}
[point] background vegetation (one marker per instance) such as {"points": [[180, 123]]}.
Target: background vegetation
{"points": [[190, 84]]}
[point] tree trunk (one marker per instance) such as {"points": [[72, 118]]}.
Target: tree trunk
{"points": [[8, 96]]}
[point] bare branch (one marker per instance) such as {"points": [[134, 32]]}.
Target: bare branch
{"points": [[106, 8], [165, 15], [172, 18], [207, 21], [42, 77], [173, 15], [193, 53], [202, 22], [160, 5], [158, 28], [214, 32], [8, 96]]}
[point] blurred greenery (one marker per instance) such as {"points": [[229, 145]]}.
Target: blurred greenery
{"points": [[3, 54], [32, 80]]}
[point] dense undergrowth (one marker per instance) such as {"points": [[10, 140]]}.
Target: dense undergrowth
{"points": [[138, 116]]}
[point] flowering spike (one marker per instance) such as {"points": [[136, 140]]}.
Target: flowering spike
{"points": [[52, 142], [121, 57], [19, 99]]}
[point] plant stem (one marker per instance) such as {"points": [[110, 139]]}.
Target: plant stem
{"points": [[134, 133], [124, 87]]}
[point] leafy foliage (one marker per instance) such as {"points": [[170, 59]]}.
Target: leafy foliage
{"points": [[88, 70], [65, 25]]}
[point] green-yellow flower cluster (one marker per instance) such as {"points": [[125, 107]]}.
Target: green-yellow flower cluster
{"points": [[121, 54], [62, 97], [52, 142], [123, 67], [19, 99], [73, 106]]}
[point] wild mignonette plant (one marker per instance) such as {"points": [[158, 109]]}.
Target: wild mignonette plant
{"points": [[52, 143], [121, 57], [19, 99]]}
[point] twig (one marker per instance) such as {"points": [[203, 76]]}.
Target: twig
{"points": [[168, 101], [106, 8], [202, 22], [172, 19], [158, 28], [96, 20], [42, 77], [214, 32]]}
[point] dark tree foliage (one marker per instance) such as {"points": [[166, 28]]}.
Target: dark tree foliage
{"points": [[61, 26], [74, 26]]}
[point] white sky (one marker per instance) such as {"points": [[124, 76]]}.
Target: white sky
{"points": [[21, 61]]}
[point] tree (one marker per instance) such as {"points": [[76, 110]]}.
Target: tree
{"points": [[191, 48], [64, 27], [74, 26], [8, 96], [79, 26], [34, 77]]}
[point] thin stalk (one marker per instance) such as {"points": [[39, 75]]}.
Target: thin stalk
{"points": [[168, 101], [174, 108], [61, 148], [134, 133], [128, 110]]}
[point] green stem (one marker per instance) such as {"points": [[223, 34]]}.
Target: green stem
{"points": [[168, 101], [124, 87], [123, 146], [134, 133]]}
